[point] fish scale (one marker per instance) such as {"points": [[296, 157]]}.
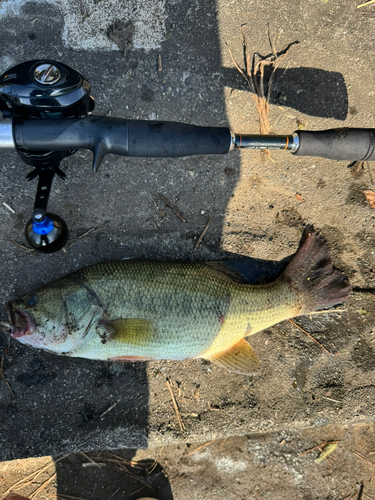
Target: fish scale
{"points": [[184, 301], [195, 310]]}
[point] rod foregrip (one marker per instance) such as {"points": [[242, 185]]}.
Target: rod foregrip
{"points": [[352, 144], [163, 139]]}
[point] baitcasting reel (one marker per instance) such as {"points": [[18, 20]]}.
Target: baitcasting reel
{"points": [[44, 90], [46, 106]]}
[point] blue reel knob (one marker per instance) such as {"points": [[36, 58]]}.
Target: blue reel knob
{"points": [[48, 235]]}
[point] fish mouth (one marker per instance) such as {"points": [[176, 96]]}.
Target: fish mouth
{"points": [[20, 321]]}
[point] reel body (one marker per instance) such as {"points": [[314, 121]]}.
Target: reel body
{"points": [[44, 90]]}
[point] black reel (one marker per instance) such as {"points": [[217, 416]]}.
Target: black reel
{"points": [[44, 90]]}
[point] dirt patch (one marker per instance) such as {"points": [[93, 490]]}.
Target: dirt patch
{"points": [[266, 466]]}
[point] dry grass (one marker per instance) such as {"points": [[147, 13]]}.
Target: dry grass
{"points": [[254, 72]]}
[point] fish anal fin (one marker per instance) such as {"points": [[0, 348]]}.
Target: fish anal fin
{"points": [[240, 358], [133, 331]]}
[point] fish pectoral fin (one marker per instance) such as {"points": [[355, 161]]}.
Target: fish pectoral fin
{"points": [[240, 358], [129, 330]]}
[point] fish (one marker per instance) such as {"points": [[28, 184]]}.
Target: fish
{"points": [[139, 310]]}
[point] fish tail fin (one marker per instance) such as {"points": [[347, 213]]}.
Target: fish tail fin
{"points": [[312, 275]]}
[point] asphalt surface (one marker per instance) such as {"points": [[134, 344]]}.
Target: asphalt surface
{"points": [[180, 70]]}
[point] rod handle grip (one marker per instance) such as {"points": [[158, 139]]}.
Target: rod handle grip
{"points": [[104, 135], [352, 144]]}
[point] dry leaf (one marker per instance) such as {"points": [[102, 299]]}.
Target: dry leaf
{"points": [[122, 35], [370, 195], [359, 167]]}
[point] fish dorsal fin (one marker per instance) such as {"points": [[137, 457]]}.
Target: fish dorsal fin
{"points": [[224, 268], [134, 331], [240, 358], [250, 270]]}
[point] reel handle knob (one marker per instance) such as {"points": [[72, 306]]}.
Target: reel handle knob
{"points": [[47, 235]]}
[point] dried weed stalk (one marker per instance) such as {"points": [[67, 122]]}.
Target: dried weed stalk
{"points": [[259, 73]]}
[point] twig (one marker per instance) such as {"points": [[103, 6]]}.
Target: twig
{"points": [[4, 379], [211, 408], [312, 338], [254, 76], [179, 419], [37, 472], [8, 207], [202, 235], [90, 459], [136, 478], [331, 399], [364, 494], [93, 464], [61, 261], [359, 167], [24, 480], [113, 494], [121, 462], [326, 312], [122, 459], [90, 231], [153, 467], [199, 448], [109, 409], [363, 457], [324, 454], [319, 446], [60, 495], [139, 489], [33, 495], [24, 485], [240, 70], [73, 242], [366, 3], [160, 65], [369, 173], [168, 204], [21, 246]]}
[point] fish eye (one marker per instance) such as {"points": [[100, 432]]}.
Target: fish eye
{"points": [[31, 301]]}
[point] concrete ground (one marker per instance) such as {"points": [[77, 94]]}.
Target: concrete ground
{"points": [[180, 69]]}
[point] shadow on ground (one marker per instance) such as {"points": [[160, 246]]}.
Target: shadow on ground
{"points": [[312, 91], [112, 476]]}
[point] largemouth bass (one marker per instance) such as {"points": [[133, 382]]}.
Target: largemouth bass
{"points": [[149, 310]]}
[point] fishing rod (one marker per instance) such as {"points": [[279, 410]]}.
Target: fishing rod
{"points": [[47, 116]]}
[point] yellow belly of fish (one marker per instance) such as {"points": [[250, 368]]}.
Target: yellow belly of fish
{"points": [[254, 310]]}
